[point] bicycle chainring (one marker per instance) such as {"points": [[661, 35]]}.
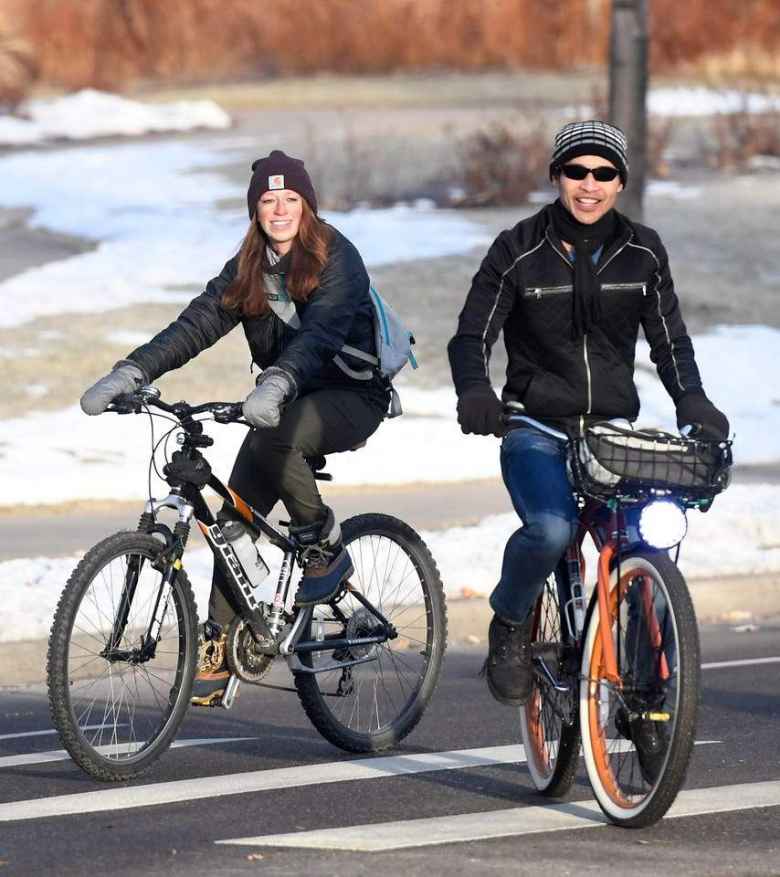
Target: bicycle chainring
{"points": [[243, 657]]}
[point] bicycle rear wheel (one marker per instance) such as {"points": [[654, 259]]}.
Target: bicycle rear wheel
{"points": [[371, 706], [117, 697], [638, 732], [549, 720]]}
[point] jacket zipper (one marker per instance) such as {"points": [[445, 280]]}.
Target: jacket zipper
{"points": [[587, 369]]}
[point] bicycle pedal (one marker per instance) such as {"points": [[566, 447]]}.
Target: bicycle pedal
{"points": [[213, 699], [657, 717], [229, 695]]}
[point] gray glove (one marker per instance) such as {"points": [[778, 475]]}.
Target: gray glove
{"points": [[262, 407], [125, 378]]}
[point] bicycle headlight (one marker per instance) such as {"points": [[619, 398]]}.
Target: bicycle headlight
{"points": [[662, 524]]}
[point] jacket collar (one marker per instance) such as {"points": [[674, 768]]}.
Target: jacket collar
{"points": [[624, 235]]}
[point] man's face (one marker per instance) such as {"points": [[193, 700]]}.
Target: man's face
{"points": [[588, 200]]}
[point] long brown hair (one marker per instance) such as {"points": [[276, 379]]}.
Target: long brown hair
{"points": [[308, 255]]}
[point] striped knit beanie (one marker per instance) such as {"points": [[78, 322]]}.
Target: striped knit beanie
{"points": [[590, 138]]}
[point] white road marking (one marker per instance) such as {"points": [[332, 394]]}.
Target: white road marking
{"points": [[258, 781], [745, 662], [509, 823], [52, 731], [180, 791], [62, 755]]}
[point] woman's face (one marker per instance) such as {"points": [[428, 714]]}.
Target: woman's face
{"points": [[279, 214]]}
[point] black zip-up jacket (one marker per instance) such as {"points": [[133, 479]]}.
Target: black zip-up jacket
{"points": [[338, 312], [524, 286]]}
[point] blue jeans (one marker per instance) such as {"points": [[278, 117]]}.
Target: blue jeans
{"points": [[534, 468]]}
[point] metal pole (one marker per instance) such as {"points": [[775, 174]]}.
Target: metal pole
{"points": [[628, 74]]}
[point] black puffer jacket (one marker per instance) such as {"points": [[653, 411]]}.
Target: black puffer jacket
{"points": [[524, 286], [338, 312]]}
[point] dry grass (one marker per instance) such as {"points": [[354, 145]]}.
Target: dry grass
{"points": [[118, 43], [18, 68]]}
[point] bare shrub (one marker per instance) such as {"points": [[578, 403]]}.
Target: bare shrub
{"points": [[501, 166], [740, 137], [659, 134]]}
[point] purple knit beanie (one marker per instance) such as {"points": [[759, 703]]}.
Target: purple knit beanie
{"points": [[279, 171]]}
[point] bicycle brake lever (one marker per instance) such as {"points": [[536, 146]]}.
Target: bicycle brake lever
{"points": [[127, 403]]}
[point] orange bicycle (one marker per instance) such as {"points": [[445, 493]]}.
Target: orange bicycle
{"points": [[620, 674]]}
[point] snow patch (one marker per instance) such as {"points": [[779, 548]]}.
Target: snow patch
{"points": [[89, 113]]}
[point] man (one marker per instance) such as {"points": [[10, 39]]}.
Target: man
{"points": [[570, 287]]}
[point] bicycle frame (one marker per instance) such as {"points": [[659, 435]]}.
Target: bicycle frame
{"points": [[609, 538], [187, 499]]}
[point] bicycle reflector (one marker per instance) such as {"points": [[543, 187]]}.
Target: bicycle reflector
{"points": [[663, 524]]}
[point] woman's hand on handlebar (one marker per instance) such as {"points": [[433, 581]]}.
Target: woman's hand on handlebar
{"points": [[125, 378]]}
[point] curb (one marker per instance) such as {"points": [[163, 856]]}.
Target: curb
{"points": [[723, 600]]}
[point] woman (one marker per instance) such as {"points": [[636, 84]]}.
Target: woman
{"points": [[300, 290]]}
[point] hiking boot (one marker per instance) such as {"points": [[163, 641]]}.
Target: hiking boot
{"points": [[508, 665], [651, 741], [212, 675], [326, 563]]}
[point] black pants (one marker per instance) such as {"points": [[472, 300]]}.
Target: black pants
{"points": [[271, 463]]}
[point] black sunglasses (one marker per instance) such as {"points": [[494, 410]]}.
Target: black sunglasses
{"points": [[602, 174]]}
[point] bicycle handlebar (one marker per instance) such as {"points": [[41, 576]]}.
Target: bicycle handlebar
{"points": [[149, 396]]}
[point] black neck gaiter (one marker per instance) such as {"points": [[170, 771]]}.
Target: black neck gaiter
{"points": [[586, 239]]}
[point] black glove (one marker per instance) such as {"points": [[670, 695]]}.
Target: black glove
{"points": [[695, 408], [480, 411]]}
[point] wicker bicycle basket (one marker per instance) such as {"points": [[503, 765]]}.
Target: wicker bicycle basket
{"points": [[609, 459]]}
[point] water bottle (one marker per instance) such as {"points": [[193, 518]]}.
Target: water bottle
{"points": [[242, 543]]}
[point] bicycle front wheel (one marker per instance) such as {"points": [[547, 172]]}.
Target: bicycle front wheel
{"points": [[549, 719], [638, 730], [122, 655], [370, 706]]}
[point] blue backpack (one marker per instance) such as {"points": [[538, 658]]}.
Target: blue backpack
{"points": [[393, 349]]}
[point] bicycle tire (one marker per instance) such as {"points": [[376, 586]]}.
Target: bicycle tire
{"points": [[377, 543], [110, 714], [635, 783], [551, 744]]}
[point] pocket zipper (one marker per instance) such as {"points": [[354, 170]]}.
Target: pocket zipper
{"points": [[538, 291], [619, 286]]}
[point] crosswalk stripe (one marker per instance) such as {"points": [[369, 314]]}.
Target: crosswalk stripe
{"points": [[508, 823], [180, 791], [744, 662], [49, 731], [62, 755]]}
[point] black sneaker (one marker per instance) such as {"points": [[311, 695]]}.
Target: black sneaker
{"points": [[326, 563], [651, 741], [508, 665]]}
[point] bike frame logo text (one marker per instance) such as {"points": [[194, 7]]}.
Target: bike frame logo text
{"points": [[225, 550]]}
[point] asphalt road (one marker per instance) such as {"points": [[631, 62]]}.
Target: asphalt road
{"points": [[466, 799]]}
